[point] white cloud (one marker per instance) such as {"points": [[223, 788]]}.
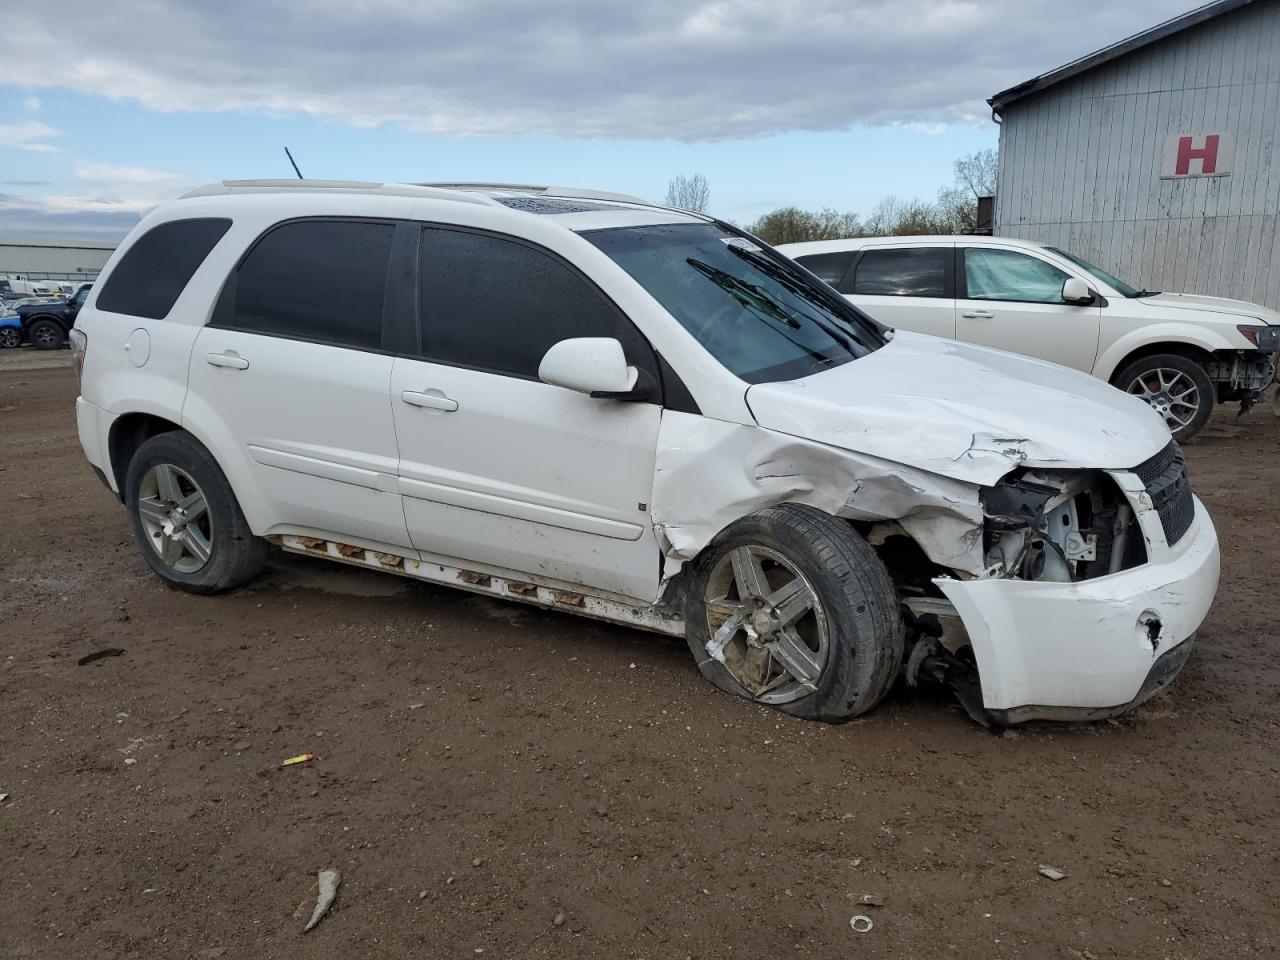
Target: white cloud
{"points": [[28, 136], [679, 69], [103, 188], [32, 103]]}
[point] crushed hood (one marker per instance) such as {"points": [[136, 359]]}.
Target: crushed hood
{"points": [[1233, 308], [965, 412]]}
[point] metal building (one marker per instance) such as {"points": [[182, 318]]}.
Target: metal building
{"points": [[52, 259], [1156, 157]]}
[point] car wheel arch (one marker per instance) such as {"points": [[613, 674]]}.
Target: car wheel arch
{"points": [[127, 434], [1192, 351]]}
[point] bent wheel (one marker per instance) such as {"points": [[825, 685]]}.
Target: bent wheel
{"points": [[790, 607]]}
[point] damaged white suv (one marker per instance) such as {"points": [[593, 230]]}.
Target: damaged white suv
{"points": [[588, 403]]}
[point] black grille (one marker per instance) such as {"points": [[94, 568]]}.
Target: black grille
{"points": [[1165, 478]]}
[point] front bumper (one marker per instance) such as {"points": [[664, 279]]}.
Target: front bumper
{"points": [[1096, 647]]}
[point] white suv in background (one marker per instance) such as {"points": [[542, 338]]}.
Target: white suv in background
{"points": [[637, 414], [1182, 354]]}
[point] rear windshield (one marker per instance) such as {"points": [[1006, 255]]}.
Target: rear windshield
{"points": [[760, 316]]}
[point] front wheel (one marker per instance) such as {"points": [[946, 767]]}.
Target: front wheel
{"points": [[1176, 387], [10, 337], [46, 335], [186, 519], [790, 607]]}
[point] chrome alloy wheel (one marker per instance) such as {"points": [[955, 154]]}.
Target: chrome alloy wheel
{"points": [[175, 516], [1171, 393], [766, 624]]}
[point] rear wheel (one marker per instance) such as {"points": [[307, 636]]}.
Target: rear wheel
{"points": [[186, 519], [46, 335], [1176, 387], [790, 607]]}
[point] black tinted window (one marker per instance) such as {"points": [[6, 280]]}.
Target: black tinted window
{"points": [[154, 271], [314, 280], [499, 305], [918, 272], [827, 267]]}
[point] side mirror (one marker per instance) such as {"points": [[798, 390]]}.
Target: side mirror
{"points": [[592, 365], [1076, 291]]}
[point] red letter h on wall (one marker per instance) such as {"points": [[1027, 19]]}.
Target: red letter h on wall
{"points": [[1207, 155]]}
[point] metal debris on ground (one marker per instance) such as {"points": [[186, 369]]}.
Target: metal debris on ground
{"points": [[100, 655], [871, 900], [1053, 873], [328, 882], [300, 758], [861, 923], [3, 797]]}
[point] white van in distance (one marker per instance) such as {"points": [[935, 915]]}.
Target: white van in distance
{"points": [[579, 400]]}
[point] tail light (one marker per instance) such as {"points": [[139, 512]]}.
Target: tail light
{"points": [[79, 345]]}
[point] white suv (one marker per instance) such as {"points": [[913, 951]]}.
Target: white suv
{"points": [[1180, 353], [642, 415]]}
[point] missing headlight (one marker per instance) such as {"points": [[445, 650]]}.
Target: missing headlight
{"points": [[1058, 527]]}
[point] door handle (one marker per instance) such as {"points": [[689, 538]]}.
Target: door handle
{"points": [[231, 360], [978, 315], [432, 400]]}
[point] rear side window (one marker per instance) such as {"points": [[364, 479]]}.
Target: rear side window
{"points": [[827, 267], [154, 271], [908, 272], [499, 305], [321, 280]]}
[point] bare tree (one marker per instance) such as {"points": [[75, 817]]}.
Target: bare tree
{"points": [[689, 193], [975, 176]]}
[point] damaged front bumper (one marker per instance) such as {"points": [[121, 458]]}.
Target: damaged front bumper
{"points": [[1091, 648]]}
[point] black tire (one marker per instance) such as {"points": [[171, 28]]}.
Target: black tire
{"points": [[235, 555], [46, 335], [865, 646], [1133, 376], [10, 337]]}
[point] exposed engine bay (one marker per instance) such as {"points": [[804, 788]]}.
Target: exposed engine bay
{"points": [[1058, 527]]}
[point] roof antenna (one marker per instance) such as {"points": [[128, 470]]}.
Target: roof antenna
{"points": [[295, 165]]}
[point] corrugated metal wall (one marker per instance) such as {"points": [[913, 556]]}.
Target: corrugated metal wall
{"points": [[1080, 163]]}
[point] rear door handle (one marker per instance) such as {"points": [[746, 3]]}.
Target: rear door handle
{"points": [[234, 361], [432, 400], [978, 315]]}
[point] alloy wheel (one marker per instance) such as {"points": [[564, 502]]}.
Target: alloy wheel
{"points": [[175, 516], [767, 625], [1171, 393]]}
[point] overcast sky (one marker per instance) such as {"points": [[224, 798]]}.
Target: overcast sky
{"points": [[107, 108]]}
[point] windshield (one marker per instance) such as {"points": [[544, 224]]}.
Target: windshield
{"points": [[762, 318], [1120, 287]]}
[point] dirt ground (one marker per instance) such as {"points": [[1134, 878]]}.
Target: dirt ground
{"points": [[483, 768]]}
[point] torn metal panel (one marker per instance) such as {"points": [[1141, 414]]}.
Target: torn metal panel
{"points": [[710, 473]]}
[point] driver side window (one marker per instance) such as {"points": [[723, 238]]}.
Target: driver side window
{"points": [[991, 274], [498, 305]]}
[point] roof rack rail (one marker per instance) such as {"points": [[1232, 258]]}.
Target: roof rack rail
{"points": [[569, 193], [423, 191]]}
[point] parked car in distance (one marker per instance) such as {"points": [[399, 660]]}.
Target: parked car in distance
{"points": [[578, 400], [1179, 353], [10, 330], [47, 322]]}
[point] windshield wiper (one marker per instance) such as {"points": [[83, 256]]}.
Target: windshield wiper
{"points": [[793, 283], [747, 294], [1138, 294]]}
